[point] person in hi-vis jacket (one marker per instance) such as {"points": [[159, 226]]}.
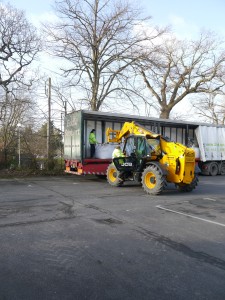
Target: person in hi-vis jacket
{"points": [[92, 142], [117, 152]]}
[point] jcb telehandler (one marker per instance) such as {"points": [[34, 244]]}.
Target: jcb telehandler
{"points": [[151, 160]]}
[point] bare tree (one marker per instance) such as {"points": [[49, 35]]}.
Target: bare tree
{"points": [[12, 112], [17, 107], [19, 45], [182, 68], [211, 108], [98, 41], [64, 98]]}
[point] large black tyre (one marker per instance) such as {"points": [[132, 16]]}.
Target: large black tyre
{"points": [[222, 168], [183, 187], [153, 181], [213, 169], [113, 176]]}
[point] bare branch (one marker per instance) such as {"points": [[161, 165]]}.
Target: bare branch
{"points": [[98, 41], [184, 68], [19, 45]]}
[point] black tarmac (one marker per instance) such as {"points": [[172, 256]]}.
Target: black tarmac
{"points": [[74, 237]]}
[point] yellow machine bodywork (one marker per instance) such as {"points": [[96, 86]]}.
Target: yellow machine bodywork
{"points": [[180, 162], [176, 160], [129, 128]]}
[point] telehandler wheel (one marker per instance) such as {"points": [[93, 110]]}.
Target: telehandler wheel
{"points": [[113, 176], [183, 187], [153, 181]]}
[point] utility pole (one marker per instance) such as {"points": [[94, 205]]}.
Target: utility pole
{"points": [[48, 94], [61, 147], [19, 126], [65, 106]]}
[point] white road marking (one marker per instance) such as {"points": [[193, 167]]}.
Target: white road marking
{"points": [[190, 216], [210, 199]]}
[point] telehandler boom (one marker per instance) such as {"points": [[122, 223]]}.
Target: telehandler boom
{"points": [[151, 160]]}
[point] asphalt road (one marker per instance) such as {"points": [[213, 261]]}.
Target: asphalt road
{"points": [[79, 238]]}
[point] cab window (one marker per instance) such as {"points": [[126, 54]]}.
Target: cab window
{"points": [[130, 146], [154, 145]]}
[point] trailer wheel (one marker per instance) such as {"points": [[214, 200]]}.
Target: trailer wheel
{"points": [[213, 169], [153, 181], [183, 187], [113, 176], [222, 168]]}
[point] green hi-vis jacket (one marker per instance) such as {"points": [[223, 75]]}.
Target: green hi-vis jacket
{"points": [[117, 153], [92, 138]]}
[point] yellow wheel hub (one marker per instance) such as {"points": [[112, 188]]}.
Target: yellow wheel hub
{"points": [[150, 180], [112, 175]]}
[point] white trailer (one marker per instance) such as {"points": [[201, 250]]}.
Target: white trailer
{"points": [[211, 145]]}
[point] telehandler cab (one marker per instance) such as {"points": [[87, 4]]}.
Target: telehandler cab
{"points": [[151, 160]]}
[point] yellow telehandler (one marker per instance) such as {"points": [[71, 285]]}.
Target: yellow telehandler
{"points": [[151, 159]]}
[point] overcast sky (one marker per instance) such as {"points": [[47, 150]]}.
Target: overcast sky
{"points": [[186, 17]]}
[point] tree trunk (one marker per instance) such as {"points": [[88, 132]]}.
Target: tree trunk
{"points": [[165, 113]]}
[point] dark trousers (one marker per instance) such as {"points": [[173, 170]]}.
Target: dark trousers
{"points": [[92, 150]]}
